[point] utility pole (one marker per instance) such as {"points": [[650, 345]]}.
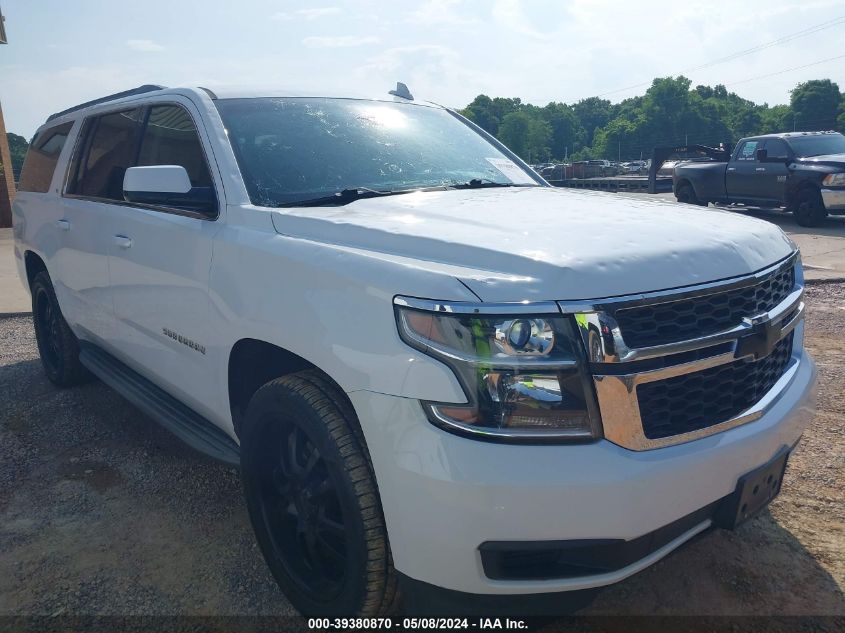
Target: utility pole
{"points": [[7, 178], [794, 123], [619, 153]]}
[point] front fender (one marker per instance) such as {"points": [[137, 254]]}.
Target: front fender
{"points": [[330, 305]]}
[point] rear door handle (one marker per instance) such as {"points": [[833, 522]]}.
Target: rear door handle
{"points": [[123, 241], [760, 169], [64, 225], [731, 168]]}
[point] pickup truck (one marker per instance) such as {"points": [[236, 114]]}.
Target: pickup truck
{"points": [[803, 172], [443, 380]]}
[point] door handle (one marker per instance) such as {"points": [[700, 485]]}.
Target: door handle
{"points": [[123, 241], [731, 168], [760, 169], [64, 225]]}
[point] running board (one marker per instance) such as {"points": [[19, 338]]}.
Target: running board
{"points": [[185, 423]]}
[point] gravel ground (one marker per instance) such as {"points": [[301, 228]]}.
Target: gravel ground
{"points": [[102, 512]]}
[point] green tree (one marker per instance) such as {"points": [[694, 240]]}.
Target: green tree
{"points": [[481, 112], [815, 105], [669, 113], [592, 113], [566, 130], [527, 136], [774, 119], [17, 148], [840, 120]]}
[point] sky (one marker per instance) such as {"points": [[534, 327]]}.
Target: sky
{"points": [[62, 52]]}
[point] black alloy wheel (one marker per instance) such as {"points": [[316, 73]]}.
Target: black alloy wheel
{"points": [[313, 500], [809, 208], [47, 330], [302, 512], [57, 345]]}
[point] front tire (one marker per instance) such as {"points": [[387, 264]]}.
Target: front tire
{"points": [[313, 501], [809, 208], [57, 344], [686, 195]]}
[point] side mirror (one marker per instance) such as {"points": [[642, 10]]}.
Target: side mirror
{"points": [[167, 186]]}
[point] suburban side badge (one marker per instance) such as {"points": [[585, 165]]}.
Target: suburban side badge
{"points": [[184, 340]]}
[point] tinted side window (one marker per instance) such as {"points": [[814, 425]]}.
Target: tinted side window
{"points": [[171, 138], [113, 147], [776, 148], [41, 158]]}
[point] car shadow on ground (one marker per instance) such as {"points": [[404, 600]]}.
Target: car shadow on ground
{"points": [[104, 512], [833, 226], [760, 569]]}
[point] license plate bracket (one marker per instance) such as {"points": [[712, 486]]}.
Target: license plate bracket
{"points": [[754, 491]]}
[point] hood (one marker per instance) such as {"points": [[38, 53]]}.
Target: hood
{"points": [[834, 160], [543, 243]]}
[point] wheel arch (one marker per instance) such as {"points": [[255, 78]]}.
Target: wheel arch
{"points": [[33, 264], [682, 182], [794, 192], [255, 362]]}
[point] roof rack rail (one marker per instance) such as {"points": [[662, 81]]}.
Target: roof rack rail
{"points": [[118, 95]]}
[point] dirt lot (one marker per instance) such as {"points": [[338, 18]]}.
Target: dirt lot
{"points": [[102, 512]]}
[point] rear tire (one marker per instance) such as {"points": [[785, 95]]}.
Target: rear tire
{"points": [[312, 499], [809, 208], [686, 195], [57, 344]]}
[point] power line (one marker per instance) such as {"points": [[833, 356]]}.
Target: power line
{"points": [[749, 51], [785, 70], [777, 42]]}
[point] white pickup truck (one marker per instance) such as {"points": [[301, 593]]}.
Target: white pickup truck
{"points": [[443, 380]]}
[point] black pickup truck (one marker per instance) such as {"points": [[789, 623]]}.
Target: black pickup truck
{"points": [[803, 172]]}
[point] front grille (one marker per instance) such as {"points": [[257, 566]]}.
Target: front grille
{"points": [[705, 398], [674, 321]]}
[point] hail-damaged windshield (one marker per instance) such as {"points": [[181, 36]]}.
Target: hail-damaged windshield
{"points": [[316, 151]]}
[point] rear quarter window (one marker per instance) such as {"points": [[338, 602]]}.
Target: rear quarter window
{"points": [[42, 158]]}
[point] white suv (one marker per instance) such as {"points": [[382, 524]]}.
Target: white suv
{"points": [[440, 376]]}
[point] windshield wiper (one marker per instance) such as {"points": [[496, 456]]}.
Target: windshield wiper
{"points": [[481, 183], [345, 196]]}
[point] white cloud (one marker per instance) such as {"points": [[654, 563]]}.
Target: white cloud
{"points": [[340, 41], [144, 46], [313, 14], [306, 14], [440, 13], [431, 71], [510, 14]]}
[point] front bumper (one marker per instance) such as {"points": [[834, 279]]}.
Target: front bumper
{"points": [[834, 200], [444, 496]]}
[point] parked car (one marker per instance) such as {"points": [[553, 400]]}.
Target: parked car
{"points": [[668, 168], [634, 167], [803, 172], [554, 172], [443, 381]]}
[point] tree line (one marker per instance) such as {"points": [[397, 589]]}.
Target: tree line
{"points": [[17, 148], [671, 112]]}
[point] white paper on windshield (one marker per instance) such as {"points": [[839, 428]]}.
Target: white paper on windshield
{"points": [[513, 171]]}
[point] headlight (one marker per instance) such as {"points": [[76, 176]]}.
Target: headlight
{"points": [[834, 180], [522, 373]]}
